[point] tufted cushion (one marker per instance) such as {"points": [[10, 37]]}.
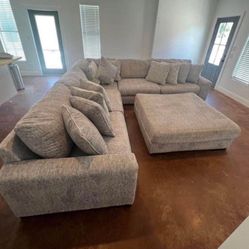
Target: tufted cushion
{"points": [[134, 86], [95, 113], [131, 68], [158, 72], [83, 132]]}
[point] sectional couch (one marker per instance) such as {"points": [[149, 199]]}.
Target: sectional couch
{"points": [[32, 185]]}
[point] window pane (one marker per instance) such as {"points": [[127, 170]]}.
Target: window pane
{"points": [[220, 33], [213, 54], [90, 30], [226, 33], [8, 31], [50, 44], [219, 55]]}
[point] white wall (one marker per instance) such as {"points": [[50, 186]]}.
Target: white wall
{"points": [[182, 28], [226, 83], [127, 28]]}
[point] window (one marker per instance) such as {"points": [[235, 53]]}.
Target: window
{"points": [[89, 15], [9, 35], [241, 70], [220, 43]]}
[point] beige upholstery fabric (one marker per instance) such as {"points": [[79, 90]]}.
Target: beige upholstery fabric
{"points": [[91, 95], [183, 72], [12, 149], [180, 88], [133, 86], [95, 113], [194, 73], [158, 72], [116, 63], [188, 122], [119, 144], [115, 99], [107, 72], [81, 64], [131, 68], [173, 73], [205, 85], [72, 78], [92, 72], [42, 129], [91, 86], [67, 184], [83, 132]]}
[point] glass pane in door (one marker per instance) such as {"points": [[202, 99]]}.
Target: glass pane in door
{"points": [[220, 43], [49, 41]]}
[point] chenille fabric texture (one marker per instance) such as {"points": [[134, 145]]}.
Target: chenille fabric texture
{"points": [[173, 73], [94, 112], [83, 132], [106, 71], [158, 72], [91, 95]]}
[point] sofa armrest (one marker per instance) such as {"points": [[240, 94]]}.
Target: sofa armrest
{"points": [[205, 86], [55, 185]]}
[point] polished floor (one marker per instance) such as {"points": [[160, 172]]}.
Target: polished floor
{"points": [[187, 200]]}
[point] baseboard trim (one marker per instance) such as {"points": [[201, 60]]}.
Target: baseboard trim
{"points": [[232, 95], [31, 73]]}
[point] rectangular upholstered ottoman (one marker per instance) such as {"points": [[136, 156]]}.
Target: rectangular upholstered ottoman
{"points": [[182, 122]]}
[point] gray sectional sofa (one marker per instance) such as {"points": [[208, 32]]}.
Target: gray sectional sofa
{"points": [[32, 185]]}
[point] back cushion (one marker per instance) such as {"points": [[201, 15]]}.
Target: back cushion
{"points": [[42, 128], [131, 68]]}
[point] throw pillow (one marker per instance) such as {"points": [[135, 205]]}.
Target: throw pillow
{"points": [[194, 73], [92, 95], [42, 130], [106, 71], [80, 64], [92, 72], [95, 113], [116, 63], [91, 86], [158, 72], [83, 132], [173, 73], [183, 72]]}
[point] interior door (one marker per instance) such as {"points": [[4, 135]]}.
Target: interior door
{"points": [[47, 36], [219, 46]]}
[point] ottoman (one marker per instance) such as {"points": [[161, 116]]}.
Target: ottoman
{"points": [[182, 122]]}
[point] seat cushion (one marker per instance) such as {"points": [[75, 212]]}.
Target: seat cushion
{"points": [[115, 99], [133, 86], [180, 88], [119, 144]]}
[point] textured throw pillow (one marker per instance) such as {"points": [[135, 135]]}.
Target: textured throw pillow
{"points": [[194, 73], [158, 72], [81, 64], [91, 86], [42, 130], [116, 63], [173, 73], [92, 95], [83, 132], [106, 71], [92, 72], [95, 113], [183, 72]]}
